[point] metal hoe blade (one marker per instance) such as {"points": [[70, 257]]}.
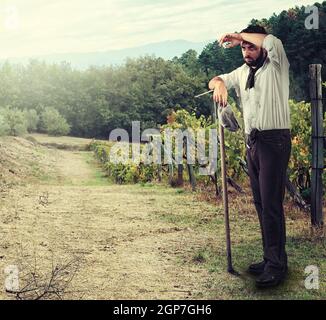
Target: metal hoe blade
{"points": [[204, 94]]}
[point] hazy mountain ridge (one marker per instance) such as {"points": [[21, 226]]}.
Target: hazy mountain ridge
{"points": [[165, 49]]}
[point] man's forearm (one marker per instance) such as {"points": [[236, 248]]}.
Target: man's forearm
{"points": [[256, 38], [220, 91]]}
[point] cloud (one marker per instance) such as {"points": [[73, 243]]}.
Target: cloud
{"points": [[54, 26]]}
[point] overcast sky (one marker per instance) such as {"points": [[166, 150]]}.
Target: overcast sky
{"points": [[36, 27]]}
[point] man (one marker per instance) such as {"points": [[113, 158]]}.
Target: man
{"points": [[262, 84]]}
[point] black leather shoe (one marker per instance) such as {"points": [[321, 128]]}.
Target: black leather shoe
{"points": [[270, 279], [257, 269]]}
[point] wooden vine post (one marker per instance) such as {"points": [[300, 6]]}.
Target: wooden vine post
{"points": [[317, 218]]}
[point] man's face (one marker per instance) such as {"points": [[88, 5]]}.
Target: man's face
{"points": [[250, 53]]}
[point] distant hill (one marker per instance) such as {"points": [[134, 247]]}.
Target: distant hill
{"points": [[166, 50]]}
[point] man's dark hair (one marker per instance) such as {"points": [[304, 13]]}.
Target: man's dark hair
{"points": [[254, 29]]}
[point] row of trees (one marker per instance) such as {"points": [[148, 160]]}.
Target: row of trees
{"points": [[101, 99], [98, 100]]}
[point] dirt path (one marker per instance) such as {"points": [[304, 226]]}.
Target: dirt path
{"points": [[126, 250]]}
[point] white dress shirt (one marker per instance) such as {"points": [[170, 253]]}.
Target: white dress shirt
{"points": [[266, 106]]}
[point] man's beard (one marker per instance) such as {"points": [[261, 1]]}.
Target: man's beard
{"points": [[256, 62]]}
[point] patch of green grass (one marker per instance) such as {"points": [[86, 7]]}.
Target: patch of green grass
{"points": [[35, 168], [99, 177], [180, 220], [179, 191], [202, 256], [208, 219], [44, 138], [46, 178], [300, 256], [186, 218], [147, 184], [38, 173]]}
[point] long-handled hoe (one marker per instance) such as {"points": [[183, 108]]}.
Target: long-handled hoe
{"points": [[230, 268]]}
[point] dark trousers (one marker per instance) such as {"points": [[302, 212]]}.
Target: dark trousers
{"points": [[268, 154]]}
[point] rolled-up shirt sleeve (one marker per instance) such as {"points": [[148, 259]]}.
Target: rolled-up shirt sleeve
{"points": [[275, 51], [231, 80]]}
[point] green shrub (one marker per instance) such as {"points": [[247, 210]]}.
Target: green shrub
{"points": [[53, 123], [14, 122], [121, 173], [300, 162]]}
